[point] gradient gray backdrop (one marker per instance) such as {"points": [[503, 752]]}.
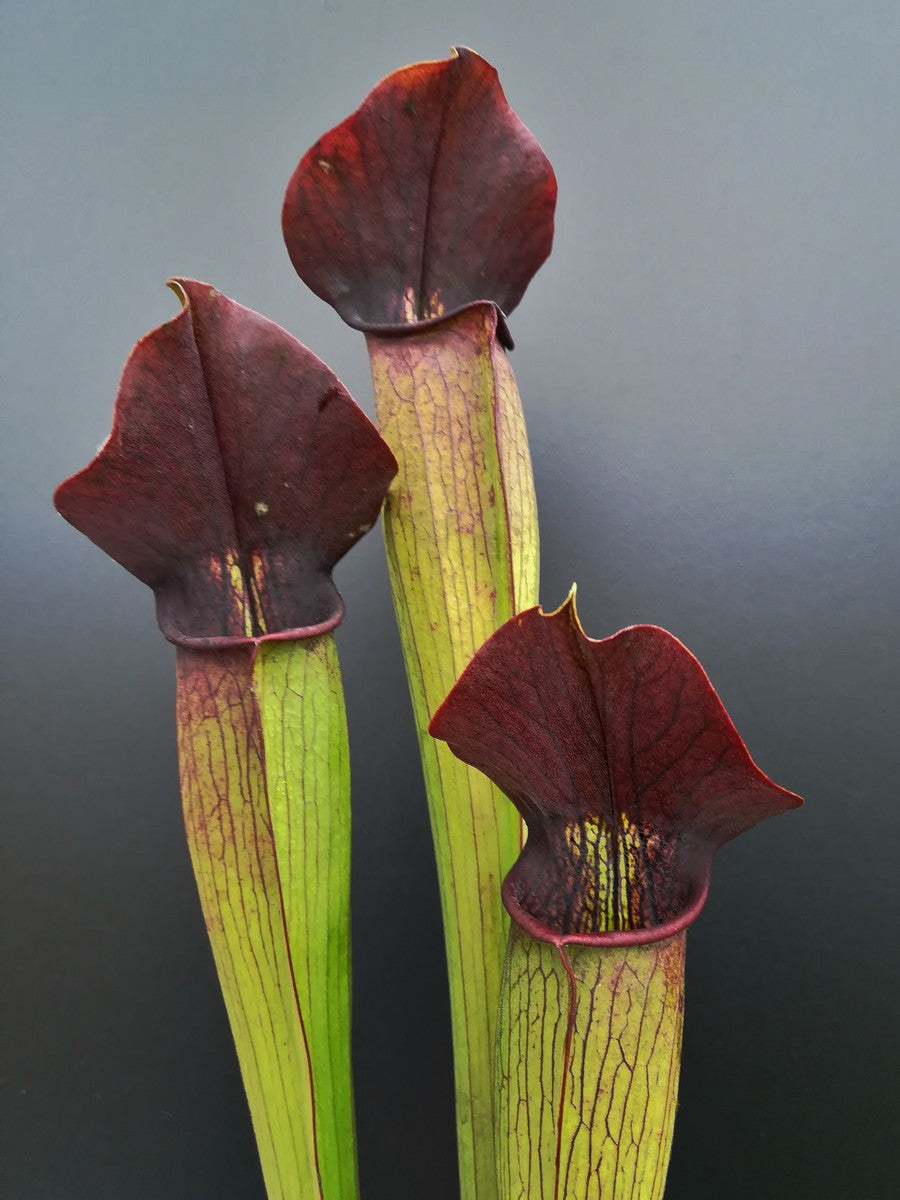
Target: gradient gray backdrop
{"points": [[710, 364]]}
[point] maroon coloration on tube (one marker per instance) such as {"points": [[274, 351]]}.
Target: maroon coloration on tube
{"points": [[237, 473], [433, 195], [624, 765]]}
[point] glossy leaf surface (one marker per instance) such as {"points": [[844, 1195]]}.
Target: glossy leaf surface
{"points": [[238, 471], [431, 196]]}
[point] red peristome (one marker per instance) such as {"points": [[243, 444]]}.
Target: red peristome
{"points": [[624, 764], [431, 196], [237, 473]]}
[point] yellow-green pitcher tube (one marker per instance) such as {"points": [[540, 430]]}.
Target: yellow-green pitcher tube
{"points": [[460, 527], [629, 774], [264, 765], [421, 218], [588, 1052], [237, 473]]}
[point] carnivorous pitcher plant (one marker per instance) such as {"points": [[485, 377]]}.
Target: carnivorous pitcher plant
{"points": [[237, 473], [629, 775], [421, 219]]}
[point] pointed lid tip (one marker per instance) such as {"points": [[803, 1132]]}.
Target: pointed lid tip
{"points": [[568, 610]]}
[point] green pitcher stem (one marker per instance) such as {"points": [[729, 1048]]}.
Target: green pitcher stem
{"points": [[460, 529], [588, 1053], [264, 769]]}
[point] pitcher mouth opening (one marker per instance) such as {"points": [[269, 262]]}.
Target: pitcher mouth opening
{"points": [[228, 599], [424, 324], [186, 642], [642, 935]]}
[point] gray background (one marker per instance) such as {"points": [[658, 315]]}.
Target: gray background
{"points": [[710, 364]]}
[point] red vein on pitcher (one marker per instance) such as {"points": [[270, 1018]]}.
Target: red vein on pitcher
{"points": [[629, 775], [421, 218]]}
